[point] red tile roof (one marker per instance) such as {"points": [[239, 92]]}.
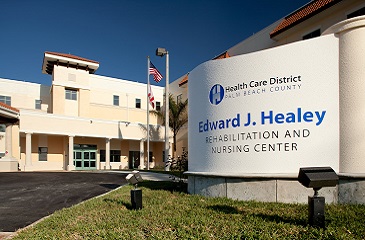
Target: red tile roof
{"points": [[8, 107], [184, 80], [222, 55], [312, 8], [72, 56]]}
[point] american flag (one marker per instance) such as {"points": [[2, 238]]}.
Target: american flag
{"points": [[157, 76], [151, 97]]}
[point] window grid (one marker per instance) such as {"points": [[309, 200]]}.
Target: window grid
{"points": [[138, 103], [114, 155], [38, 104], [115, 100], [6, 100], [42, 153], [71, 94], [179, 99]]}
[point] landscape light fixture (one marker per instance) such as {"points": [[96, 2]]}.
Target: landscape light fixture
{"points": [[316, 178], [162, 52], [136, 194]]}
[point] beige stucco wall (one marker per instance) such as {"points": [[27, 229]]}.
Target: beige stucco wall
{"points": [[23, 94], [58, 99], [182, 136], [55, 156], [15, 141], [2, 142], [74, 126]]}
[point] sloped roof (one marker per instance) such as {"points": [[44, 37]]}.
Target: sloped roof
{"points": [[72, 56], [3, 105], [221, 56], [67, 60], [8, 114], [307, 11], [184, 80]]}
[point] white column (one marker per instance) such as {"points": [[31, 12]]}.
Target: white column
{"points": [[9, 141], [351, 34], [71, 165], [141, 154], [28, 151], [107, 153], [170, 149], [8, 163]]}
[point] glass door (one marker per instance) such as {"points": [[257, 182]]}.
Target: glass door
{"points": [[133, 161], [85, 157]]}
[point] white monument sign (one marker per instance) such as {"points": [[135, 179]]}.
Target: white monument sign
{"points": [[268, 112]]}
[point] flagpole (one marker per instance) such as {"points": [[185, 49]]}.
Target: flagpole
{"points": [[167, 110], [148, 113]]}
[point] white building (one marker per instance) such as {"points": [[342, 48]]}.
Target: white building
{"points": [[99, 121]]}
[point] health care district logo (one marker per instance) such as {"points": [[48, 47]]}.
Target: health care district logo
{"points": [[216, 94]]}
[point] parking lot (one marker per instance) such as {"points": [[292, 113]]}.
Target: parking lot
{"points": [[26, 197]]}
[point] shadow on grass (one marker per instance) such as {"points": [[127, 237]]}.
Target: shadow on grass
{"points": [[266, 217], [225, 209], [119, 202], [282, 219], [167, 186]]}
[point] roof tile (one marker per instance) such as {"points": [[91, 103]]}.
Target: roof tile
{"points": [[184, 80], [72, 56], [222, 56], [8, 107], [303, 13]]}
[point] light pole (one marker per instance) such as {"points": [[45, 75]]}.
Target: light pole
{"points": [[162, 52]]}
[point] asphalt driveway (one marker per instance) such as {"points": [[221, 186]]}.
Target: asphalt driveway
{"points": [[26, 197]]}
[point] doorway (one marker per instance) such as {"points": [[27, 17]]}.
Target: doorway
{"points": [[85, 157]]}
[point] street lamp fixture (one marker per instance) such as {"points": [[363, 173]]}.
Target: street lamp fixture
{"points": [[162, 52]]}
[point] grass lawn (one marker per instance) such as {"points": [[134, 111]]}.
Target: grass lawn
{"points": [[170, 214]]}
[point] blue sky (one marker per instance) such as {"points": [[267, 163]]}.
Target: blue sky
{"points": [[120, 34]]}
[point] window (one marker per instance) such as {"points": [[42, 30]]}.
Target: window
{"points": [[357, 13], [2, 127], [115, 100], [42, 152], [38, 104], [158, 106], [102, 155], [6, 100], [114, 155], [179, 99], [313, 34], [71, 94], [138, 103]]}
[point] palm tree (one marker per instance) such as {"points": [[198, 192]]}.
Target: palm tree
{"points": [[178, 117]]}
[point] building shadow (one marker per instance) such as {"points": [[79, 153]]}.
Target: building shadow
{"points": [[165, 185], [266, 217]]}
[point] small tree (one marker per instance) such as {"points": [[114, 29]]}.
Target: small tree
{"points": [[178, 117]]}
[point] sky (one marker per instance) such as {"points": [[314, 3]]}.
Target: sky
{"points": [[120, 34]]}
